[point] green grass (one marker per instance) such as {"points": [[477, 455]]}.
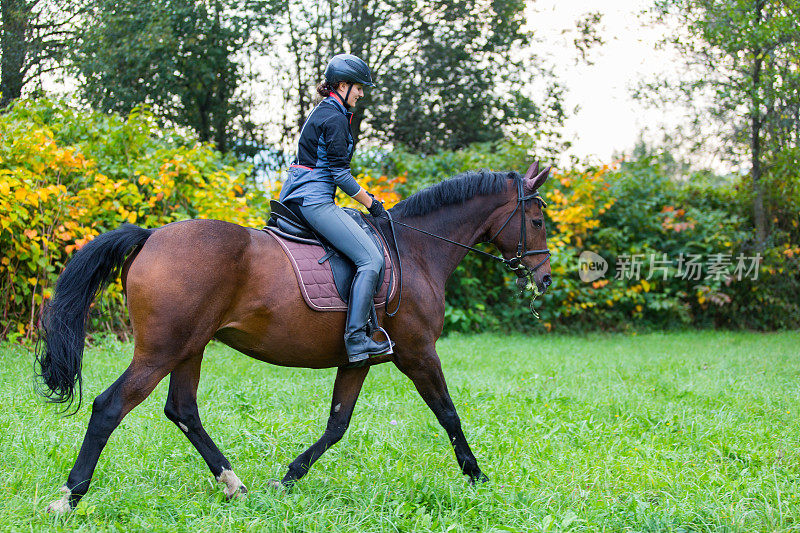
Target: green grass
{"points": [[659, 432]]}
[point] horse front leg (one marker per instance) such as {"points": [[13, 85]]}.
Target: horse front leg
{"points": [[427, 376], [345, 393]]}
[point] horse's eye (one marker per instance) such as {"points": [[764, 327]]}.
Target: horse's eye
{"points": [[537, 222]]}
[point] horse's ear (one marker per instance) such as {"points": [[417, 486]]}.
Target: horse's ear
{"points": [[532, 171], [531, 182]]}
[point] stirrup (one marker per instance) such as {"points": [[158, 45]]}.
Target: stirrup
{"points": [[373, 327], [390, 351], [365, 356]]}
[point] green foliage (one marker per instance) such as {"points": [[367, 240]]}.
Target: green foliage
{"points": [[35, 36], [741, 58], [447, 94], [67, 175], [690, 431], [745, 57], [653, 215], [643, 208], [179, 57], [446, 72]]}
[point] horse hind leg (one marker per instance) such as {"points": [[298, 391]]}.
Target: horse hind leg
{"points": [[345, 393], [108, 410], [181, 408]]}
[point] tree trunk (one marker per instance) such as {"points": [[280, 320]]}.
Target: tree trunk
{"points": [[204, 116], [221, 89], [221, 115], [294, 47], [759, 216], [13, 15], [355, 126], [221, 131]]}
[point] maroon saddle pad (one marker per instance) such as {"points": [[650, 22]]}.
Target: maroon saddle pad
{"points": [[316, 280]]}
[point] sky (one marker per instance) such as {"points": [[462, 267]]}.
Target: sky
{"points": [[608, 120]]}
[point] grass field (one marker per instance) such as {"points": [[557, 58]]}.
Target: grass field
{"points": [[659, 432]]}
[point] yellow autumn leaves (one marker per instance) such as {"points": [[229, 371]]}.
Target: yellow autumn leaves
{"points": [[575, 205], [56, 195]]}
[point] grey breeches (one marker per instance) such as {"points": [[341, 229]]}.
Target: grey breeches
{"points": [[342, 232]]}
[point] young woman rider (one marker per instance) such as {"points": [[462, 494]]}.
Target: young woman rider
{"points": [[322, 164]]}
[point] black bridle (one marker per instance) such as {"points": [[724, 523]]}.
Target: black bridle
{"points": [[515, 263]]}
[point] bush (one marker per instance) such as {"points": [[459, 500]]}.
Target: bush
{"points": [[643, 207], [67, 175], [698, 214]]}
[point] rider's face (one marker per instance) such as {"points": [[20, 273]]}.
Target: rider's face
{"points": [[356, 93]]}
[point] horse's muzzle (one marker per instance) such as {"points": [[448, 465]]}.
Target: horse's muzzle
{"points": [[543, 283], [527, 276]]}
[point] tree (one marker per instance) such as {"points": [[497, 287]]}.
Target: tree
{"points": [[34, 38], [445, 69], [178, 56], [310, 30], [745, 55], [446, 92]]}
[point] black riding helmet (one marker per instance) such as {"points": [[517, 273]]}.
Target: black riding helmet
{"points": [[349, 68]]}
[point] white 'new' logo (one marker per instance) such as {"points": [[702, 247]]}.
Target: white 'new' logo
{"points": [[591, 266]]}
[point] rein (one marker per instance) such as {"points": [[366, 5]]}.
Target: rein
{"points": [[514, 264]]}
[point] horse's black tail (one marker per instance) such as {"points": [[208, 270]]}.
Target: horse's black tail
{"points": [[63, 320]]}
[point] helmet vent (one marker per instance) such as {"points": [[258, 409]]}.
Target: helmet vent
{"points": [[357, 67]]}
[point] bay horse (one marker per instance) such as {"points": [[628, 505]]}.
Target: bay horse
{"points": [[189, 282]]}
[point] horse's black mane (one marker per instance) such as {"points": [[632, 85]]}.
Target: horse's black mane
{"points": [[455, 190]]}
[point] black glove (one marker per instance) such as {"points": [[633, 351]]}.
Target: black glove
{"points": [[376, 209]]}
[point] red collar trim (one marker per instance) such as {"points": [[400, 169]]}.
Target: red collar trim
{"points": [[335, 95]]}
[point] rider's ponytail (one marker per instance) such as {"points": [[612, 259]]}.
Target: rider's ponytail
{"points": [[325, 89]]}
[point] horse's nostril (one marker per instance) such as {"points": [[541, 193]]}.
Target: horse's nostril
{"points": [[547, 280]]}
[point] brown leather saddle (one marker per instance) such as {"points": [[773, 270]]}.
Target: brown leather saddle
{"points": [[323, 273]]}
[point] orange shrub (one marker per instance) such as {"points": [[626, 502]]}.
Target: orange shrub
{"points": [[67, 176]]}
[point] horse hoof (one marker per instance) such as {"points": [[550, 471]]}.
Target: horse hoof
{"points": [[241, 492], [234, 488], [276, 485], [60, 506], [479, 479]]}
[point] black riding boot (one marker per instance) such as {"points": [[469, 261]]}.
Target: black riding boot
{"points": [[358, 345]]}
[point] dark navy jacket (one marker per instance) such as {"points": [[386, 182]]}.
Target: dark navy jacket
{"points": [[323, 156]]}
